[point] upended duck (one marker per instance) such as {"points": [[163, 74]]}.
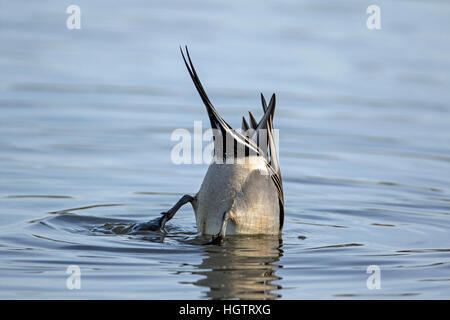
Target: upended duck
{"points": [[242, 192]]}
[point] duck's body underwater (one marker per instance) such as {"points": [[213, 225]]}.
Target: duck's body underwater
{"points": [[242, 191]]}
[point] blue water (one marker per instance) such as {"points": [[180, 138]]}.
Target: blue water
{"points": [[86, 118]]}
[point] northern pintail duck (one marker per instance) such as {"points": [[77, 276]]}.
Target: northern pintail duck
{"points": [[242, 192]]}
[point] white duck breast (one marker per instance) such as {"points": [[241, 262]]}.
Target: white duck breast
{"points": [[246, 191]]}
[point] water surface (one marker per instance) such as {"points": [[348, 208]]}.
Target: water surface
{"points": [[85, 127]]}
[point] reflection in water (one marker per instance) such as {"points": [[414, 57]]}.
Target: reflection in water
{"points": [[242, 268]]}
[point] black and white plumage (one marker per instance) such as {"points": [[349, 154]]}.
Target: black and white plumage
{"points": [[242, 192]]}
